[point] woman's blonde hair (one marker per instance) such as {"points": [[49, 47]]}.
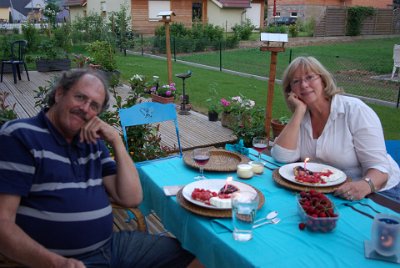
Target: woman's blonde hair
{"points": [[309, 65]]}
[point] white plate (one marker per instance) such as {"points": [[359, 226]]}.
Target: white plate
{"points": [[213, 185], [336, 178]]}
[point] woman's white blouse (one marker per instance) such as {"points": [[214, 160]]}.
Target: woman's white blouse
{"points": [[352, 141]]}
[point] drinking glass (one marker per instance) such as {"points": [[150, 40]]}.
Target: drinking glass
{"points": [[385, 234], [201, 157], [260, 144], [244, 207]]}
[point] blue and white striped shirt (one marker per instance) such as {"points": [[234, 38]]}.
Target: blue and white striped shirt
{"points": [[64, 205]]}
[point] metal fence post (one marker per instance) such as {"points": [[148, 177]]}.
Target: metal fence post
{"points": [[398, 98], [141, 42], [220, 55], [174, 46]]}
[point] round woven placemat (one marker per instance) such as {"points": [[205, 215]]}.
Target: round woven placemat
{"points": [[220, 160], [208, 212], [293, 186]]}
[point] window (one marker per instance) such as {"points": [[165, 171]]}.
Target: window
{"points": [[278, 14], [293, 14], [156, 7], [196, 11]]}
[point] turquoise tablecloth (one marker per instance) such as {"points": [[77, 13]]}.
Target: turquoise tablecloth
{"points": [[281, 245]]}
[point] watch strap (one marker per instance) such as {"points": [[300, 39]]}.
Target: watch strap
{"points": [[371, 184]]}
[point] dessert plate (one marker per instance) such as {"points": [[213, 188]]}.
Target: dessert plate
{"points": [[213, 185], [336, 178]]}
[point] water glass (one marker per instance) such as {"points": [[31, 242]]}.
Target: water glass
{"points": [[385, 234], [244, 207]]}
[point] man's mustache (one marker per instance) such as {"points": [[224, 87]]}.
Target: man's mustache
{"points": [[80, 113]]}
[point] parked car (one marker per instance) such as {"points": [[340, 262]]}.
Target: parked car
{"points": [[284, 21]]}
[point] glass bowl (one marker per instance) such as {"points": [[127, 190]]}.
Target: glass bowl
{"points": [[317, 211]]}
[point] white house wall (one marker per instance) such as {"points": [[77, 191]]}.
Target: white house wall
{"points": [[225, 18], [253, 14], [95, 6]]}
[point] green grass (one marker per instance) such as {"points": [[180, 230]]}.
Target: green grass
{"points": [[371, 55]]}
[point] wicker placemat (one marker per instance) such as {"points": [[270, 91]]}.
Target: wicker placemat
{"points": [[293, 186], [220, 160], [208, 212]]}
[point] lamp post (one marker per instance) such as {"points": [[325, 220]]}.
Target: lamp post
{"points": [[273, 43], [166, 18]]}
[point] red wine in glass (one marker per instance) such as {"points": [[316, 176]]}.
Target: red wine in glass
{"points": [[260, 144], [259, 147], [201, 157], [201, 160]]}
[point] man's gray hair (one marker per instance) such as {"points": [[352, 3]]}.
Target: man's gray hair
{"points": [[68, 79]]}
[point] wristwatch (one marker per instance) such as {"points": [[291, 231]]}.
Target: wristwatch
{"points": [[371, 184]]}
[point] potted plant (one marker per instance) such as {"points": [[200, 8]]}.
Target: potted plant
{"points": [[53, 58], [278, 124], [213, 109], [163, 94]]}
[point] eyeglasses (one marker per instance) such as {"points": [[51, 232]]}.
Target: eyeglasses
{"points": [[308, 79], [82, 99]]}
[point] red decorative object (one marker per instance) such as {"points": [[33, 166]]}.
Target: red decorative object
{"points": [[160, 99]]}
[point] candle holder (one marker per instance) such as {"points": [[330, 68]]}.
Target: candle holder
{"points": [[184, 110]]}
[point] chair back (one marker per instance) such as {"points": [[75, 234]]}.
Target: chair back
{"points": [[18, 49], [393, 148], [396, 55], [148, 113]]}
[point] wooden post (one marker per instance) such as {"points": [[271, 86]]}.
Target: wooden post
{"points": [[270, 94], [168, 48], [271, 85]]}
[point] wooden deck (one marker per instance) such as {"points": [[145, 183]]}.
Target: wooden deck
{"points": [[195, 129]]}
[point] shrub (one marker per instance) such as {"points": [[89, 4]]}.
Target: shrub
{"points": [[102, 53], [31, 35], [293, 30], [243, 31], [355, 16]]}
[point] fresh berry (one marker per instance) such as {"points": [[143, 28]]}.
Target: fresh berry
{"points": [[302, 226]]}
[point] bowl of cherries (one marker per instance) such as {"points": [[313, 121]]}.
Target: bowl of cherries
{"points": [[317, 212]]}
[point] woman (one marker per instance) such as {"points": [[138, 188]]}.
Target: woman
{"points": [[336, 130]]}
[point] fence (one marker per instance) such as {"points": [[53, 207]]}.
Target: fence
{"points": [[366, 75], [334, 23]]}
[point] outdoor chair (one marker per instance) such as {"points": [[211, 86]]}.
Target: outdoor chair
{"points": [[149, 113], [393, 148], [396, 59], [16, 59]]}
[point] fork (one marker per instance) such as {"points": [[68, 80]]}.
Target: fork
{"points": [[359, 211], [367, 205], [273, 221]]}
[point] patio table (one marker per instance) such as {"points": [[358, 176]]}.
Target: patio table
{"points": [[280, 245]]}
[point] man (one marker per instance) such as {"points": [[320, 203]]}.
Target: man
{"points": [[56, 178]]}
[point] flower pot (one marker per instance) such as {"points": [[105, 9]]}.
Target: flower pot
{"points": [[160, 99], [228, 120], [212, 116], [277, 127], [53, 65]]}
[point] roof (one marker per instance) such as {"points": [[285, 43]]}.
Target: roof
{"points": [[18, 5], [232, 3], [74, 2]]}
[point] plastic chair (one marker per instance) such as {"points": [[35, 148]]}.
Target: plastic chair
{"points": [[396, 59], [17, 58], [149, 113], [393, 148]]}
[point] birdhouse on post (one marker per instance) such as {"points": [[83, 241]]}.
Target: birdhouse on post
{"points": [[166, 17], [274, 43]]}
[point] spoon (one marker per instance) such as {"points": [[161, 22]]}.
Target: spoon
{"points": [[269, 216], [273, 221]]}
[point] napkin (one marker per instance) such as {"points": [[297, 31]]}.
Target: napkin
{"points": [[222, 225], [238, 147], [370, 253]]}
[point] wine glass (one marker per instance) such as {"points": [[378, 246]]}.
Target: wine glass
{"points": [[201, 157], [260, 144]]}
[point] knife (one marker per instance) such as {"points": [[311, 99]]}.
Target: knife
{"points": [[359, 211], [265, 160]]}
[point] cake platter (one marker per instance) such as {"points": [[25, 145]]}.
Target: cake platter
{"points": [[213, 185], [338, 176]]}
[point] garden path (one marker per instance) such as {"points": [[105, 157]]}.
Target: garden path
{"points": [[195, 129]]}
